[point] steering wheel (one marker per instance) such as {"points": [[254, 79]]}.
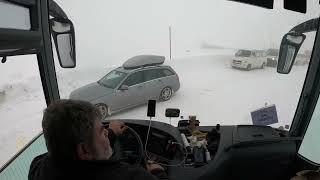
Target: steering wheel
{"points": [[129, 148]]}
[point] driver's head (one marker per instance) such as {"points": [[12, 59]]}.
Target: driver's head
{"points": [[73, 131]]}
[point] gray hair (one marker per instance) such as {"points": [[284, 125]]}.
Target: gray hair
{"points": [[66, 123]]}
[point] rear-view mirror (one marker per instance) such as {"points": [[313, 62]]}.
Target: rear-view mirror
{"points": [[289, 48], [62, 31]]}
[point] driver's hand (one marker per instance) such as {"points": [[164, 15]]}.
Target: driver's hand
{"points": [[152, 166], [117, 127]]}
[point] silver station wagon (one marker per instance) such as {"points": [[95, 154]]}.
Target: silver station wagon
{"points": [[139, 79]]}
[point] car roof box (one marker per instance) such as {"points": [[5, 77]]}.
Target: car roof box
{"points": [[143, 61]]}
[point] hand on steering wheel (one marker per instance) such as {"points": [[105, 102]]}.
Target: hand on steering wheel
{"points": [[117, 127], [119, 153], [152, 166]]}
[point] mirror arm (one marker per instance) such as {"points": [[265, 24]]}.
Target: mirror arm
{"points": [[56, 11], [307, 26]]}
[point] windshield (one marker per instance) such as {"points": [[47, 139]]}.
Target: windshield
{"points": [[112, 79], [243, 53], [199, 42]]}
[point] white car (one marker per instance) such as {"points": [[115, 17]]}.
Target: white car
{"points": [[246, 59], [272, 56]]}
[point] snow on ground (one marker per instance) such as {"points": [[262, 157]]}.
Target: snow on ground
{"points": [[217, 93], [21, 112], [213, 91], [21, 104], [210, 89]]}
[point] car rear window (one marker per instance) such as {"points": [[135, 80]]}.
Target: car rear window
{"points": [[167, 72]]}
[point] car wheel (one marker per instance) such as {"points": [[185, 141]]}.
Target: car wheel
{"points": [[166, 94], [103, 110], [263, 65], [248, 67]]}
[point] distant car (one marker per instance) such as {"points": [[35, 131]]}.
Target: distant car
{"points": [[246, 59], [272, 57], [140, 78]]}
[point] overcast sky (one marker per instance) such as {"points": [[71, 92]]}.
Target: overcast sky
{"points": [[108, 31], [112, 30]]}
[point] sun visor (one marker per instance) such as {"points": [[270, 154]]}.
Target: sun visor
{"points": [[14, 16], [16, 34]]}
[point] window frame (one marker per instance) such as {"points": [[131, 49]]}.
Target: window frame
{"points": [[309, 94], [40, 32], [20, 152]]}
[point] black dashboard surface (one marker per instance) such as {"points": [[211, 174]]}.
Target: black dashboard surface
{"points": [[229, 136]]}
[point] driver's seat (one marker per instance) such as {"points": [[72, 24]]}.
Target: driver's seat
{"points": [[253, 160]]}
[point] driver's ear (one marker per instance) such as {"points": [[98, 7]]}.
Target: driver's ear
{"points": [[83, 152]]}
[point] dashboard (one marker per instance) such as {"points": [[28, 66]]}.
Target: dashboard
{"points": [[166, 145]]}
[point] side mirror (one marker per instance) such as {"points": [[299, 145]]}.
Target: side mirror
{"points": [[62, 31], [124, 87], [290, 45]]}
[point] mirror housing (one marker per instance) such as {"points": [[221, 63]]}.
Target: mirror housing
{"points": [[124, 87], [289, 48], [62, 31]]}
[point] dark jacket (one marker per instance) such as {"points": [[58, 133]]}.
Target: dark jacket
{"points": [[43, 168]]}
